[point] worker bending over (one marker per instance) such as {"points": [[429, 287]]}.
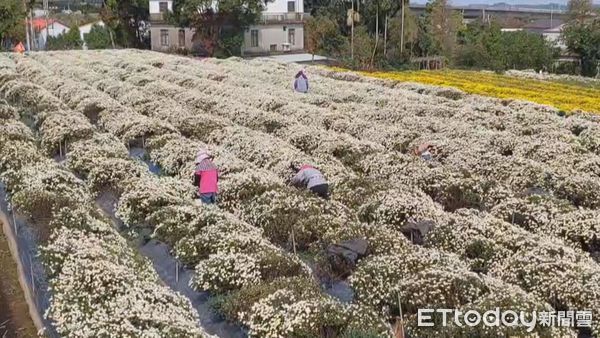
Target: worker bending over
{"points": [[206, 177], [301, 82], [311, 178]]}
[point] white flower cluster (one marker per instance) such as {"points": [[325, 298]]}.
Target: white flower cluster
{"points": [[531, 74], [281, 314], [99, 285], [520, 161], [226, 256]]}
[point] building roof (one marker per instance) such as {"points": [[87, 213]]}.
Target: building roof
{"points": [[40, 23], [543, 24]]}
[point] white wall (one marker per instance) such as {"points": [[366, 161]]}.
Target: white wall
{"points": [[281, 6], [54, 29], [155, 7], [273, 34], [555, 37]]}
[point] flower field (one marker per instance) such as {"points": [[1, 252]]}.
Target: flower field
{"points": [[566, 93], [513, 194]]}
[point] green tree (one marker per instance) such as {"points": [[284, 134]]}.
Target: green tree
{"points": [[65, 41], [411, 34], [97, 38], [480, 46], [127, 20], [323, 36], [525, 50], [218, 23], [582, 35], [485, 46], [579, 10], [443, 26], [12, 19]]}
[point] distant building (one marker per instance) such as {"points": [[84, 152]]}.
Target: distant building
{"points": [[550, 29], [280, 29], [43, 28], [163, 36], [85, 29], [553, 35]]}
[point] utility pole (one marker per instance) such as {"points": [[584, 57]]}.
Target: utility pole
{"points": [[385, 36], [47, 29], [27, 37], [352, 33], [402, 30], [33, 44]]}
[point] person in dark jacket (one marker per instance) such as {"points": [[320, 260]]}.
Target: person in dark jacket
{"points": [[310, 178], [206, 177]]}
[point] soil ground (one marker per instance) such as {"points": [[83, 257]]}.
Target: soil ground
{"points": [[15, 321]]}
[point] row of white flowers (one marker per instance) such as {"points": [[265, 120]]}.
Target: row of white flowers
{"points": [[231, 260], [497, 198], [577, 232], [415, 281], [228, 254], [99, 285]]}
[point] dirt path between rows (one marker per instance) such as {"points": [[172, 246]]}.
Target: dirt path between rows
{"points": [[15, 321]]}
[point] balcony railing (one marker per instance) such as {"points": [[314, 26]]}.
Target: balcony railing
{"points": [[266, 18], [157, 17], [291, 17]]}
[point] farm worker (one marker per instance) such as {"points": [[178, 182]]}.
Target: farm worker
{"points": [[425, 151], [301, 82], [310, 178], [19, 48], [206, 177]]}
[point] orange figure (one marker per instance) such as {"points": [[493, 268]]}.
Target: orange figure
{"points": [[19, 48]]}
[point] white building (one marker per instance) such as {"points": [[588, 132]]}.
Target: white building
{"points": [[554, 35], [43, 28], [165, 37], [85, 29], [280, 29]]}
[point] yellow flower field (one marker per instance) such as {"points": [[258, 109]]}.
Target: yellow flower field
{"points": [[568, 97]]}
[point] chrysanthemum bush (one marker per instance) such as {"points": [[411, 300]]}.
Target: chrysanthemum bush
{"points": [[520, 161], [135, 206], [99, 286], [282, 314]]}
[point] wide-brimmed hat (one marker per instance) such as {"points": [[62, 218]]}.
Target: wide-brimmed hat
{"points": [[202, 155]]}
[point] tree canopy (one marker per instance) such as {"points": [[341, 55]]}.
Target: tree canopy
{"points": [[219, 24], [68, 40], [12, 21], [127, 19], [97, 38], [582, 35]]}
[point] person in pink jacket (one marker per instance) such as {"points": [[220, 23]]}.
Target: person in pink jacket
{"points": [[206, 177]]}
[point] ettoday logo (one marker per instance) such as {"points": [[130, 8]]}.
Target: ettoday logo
{"points": [[507, 318]]}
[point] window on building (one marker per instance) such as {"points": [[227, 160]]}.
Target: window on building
{"points": [[291, 6], [292, 36], [273, 47], [164, 37], [163, 7], [254, 38], [181, 38]]}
